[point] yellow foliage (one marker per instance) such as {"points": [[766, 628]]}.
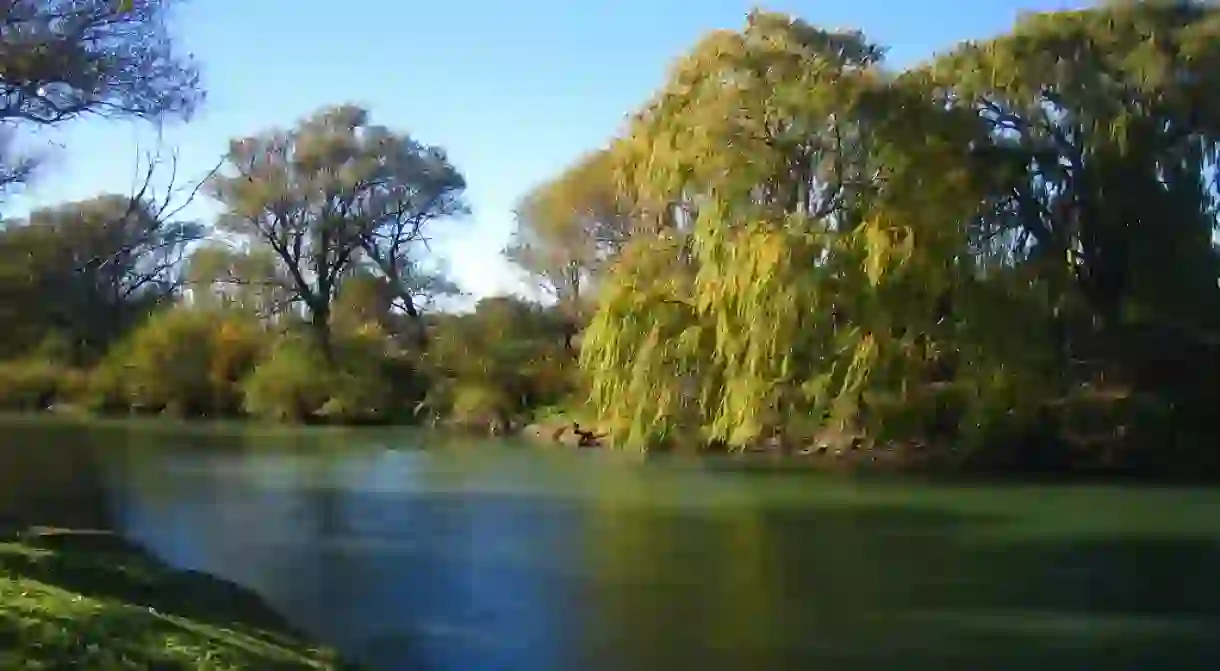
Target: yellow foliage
{"points": [[798, 286]]}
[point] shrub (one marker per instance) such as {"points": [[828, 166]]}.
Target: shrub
{"points": [[292, 383], [480, 405], [182, 360], [34, 384]]}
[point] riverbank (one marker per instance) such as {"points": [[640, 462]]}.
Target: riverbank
{"points": [[89, 600], [1108, 451]]}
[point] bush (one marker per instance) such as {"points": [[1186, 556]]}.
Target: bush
{"points": [[35, 384], [480, 405], [291, 384], [182, 360], [103, 389], [237, 346]]}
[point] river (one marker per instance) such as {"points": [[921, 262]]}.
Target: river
{"points": [[409, 551]]}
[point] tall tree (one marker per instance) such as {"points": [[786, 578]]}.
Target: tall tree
{"points": [[569, 229], [334, 193], [415, 187], [1104, 136], [813, 258], [851, 233], [1106, 121]]}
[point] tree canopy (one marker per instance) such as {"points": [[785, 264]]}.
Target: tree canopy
{"points": [[65, 59], [60, 59], [847, 238], [335, 194]]}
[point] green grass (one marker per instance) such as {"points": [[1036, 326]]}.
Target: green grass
{"points": [[90, 601]]}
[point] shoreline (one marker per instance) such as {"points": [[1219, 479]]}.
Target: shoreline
{"points": [[838, 454], [90, 599]]}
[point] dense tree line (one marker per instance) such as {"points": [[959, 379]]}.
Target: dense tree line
{"points": [[305, 300], [1008, 249], [1004, 255]]}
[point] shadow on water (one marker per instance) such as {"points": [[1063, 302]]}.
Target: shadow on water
{"points": [[62, 486], [425, 560]]}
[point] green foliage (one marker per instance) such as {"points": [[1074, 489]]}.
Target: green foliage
{"points": [[795, 274], [34, 384], [503, 358], [372, 383], [361, 198], [86, 272], [184, 361], [788, 238], [475, 404], [838, 239], [105, 389], [291, 383]]}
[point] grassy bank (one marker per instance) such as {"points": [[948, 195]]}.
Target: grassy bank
{"points": [[84, 600]]}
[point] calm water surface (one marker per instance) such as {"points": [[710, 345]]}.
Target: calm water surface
{"points": [[408, 552]]}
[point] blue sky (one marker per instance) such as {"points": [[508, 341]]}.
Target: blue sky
{"points": [[513, 90]]}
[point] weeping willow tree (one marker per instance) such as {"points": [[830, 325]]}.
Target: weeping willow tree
{"points": [[820, 210]]}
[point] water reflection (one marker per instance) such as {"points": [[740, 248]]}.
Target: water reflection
{"points": [[484, 557], [378, 552]]}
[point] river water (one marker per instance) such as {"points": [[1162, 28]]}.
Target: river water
{"points": [[409, 551]]}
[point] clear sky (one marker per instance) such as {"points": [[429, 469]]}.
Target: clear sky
{"points": [[513, 90]]}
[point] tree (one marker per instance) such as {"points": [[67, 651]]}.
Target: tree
{"points": [[847, 240], [95, 266], [492, 363], [569, 227], [1103, 137], [418, 186], [333, 194], [62, 59], [823, 209], [89, 270], [247, 279]]}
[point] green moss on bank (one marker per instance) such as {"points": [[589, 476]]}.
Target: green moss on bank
{"points": [[82, 600]]}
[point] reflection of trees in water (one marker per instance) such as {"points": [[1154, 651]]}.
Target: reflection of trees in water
{"points": [[209, 501], [675, 571], [450, 572], [442, 561], [889, 583]]}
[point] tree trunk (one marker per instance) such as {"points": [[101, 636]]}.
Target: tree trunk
{"points": [[420, 335], [320, 322]]}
